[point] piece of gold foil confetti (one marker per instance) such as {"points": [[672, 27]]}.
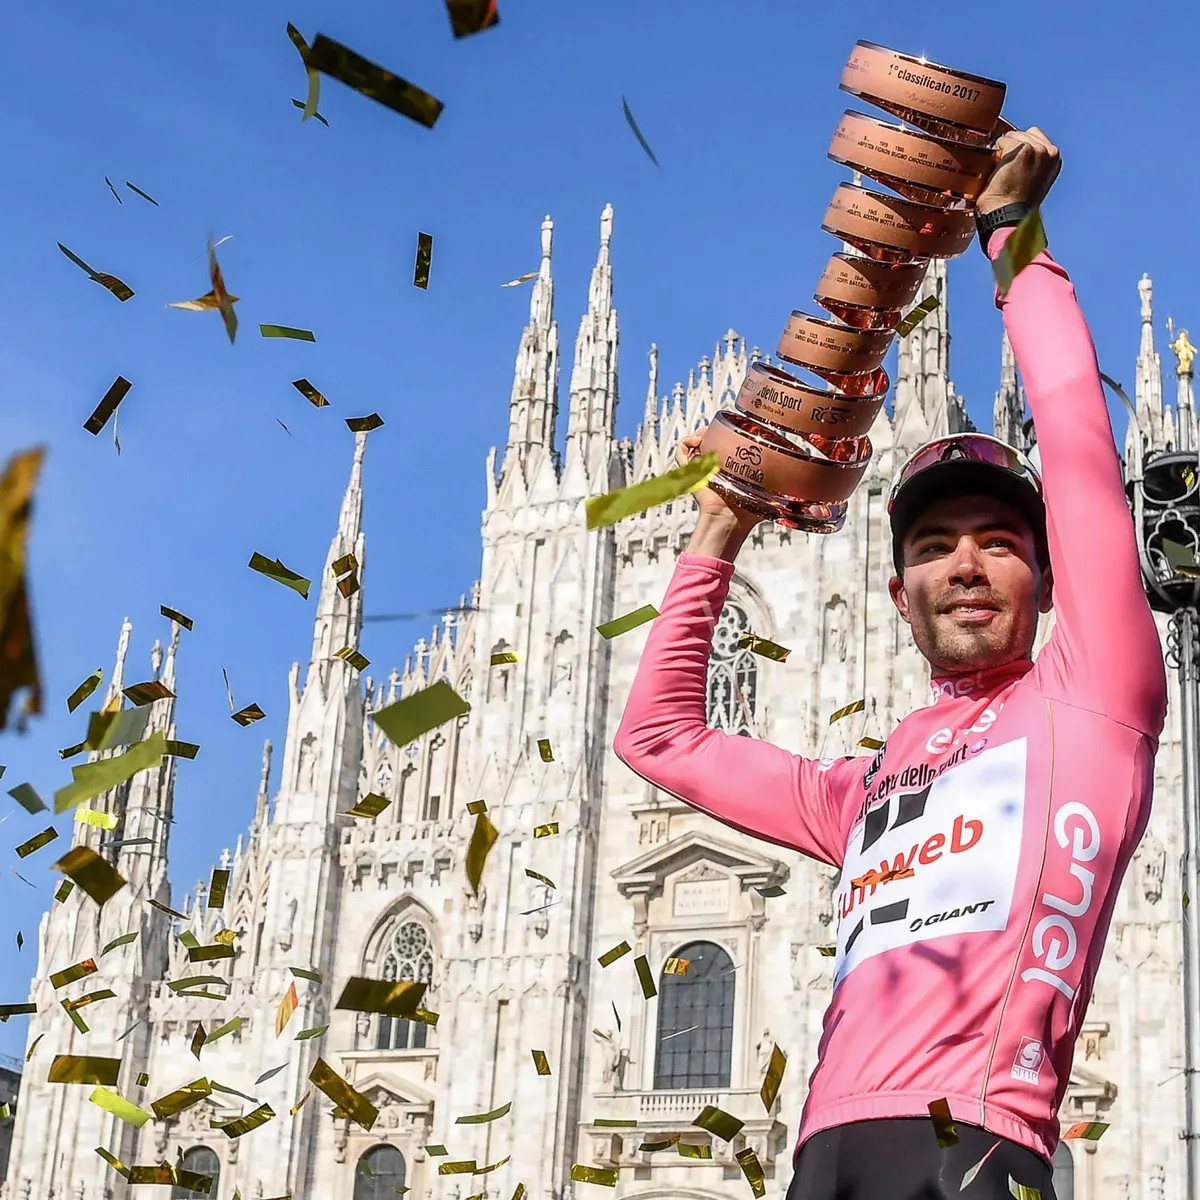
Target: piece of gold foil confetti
{"points": [[396, 998], [693, 1150], [90, 998], [550, 829], [676, 966], [182, 1098], [218, 887], [601, 1175], [287, 331], [752, 1169], [274, 569], [436, 1151], [348, 654], [424, 260], [80, 970], [763, 646], [637, 133], [64, 890], [310, 393], [539, 877], [1022, 1191], [169, 911], [1024, 244], [25, 794], [107, 406], [48, 835], [486, 1118], [226, 937], [248, 715], [143, 1078], [198, 1039], [301, 104], [99, 820], [20, 939], [492, 1166], [773, 1078], [116, 194], [113, 1161], [364, 424], [471, 16], [173, 614], [521, 279], [424, 1017], [943, 1124], [76, 1019], [848, 710], [84, 1068], [505, 656], [33, 1047], [718, 1122], [223, 1030], [373, 81], [287, 1006], [544, 750], [122, 1109], [16, 1010], [870, 743], [483, 838], [1089, 1131], [662, 489], [460, 1167], [356, 1105], [240, 1126], [301, 1102], [408, 719], [477, 806], [18, 656], [121, 290], [139, 694], [539, 1062], [85, 689], [610, 956], [370, 806], [107, 730], [308, 1034], [659, 1144], [619, 625], [133, 187], [916, 315], [307, 973], [645, 977], [83, 866], [94, 778]]}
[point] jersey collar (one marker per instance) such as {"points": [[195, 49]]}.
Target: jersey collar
{"points": [[978, 683]]}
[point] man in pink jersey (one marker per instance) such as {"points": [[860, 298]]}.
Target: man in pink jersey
{"points": [[982, 848]]}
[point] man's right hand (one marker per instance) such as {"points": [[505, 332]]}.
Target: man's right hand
{"points": [[723, 525]]}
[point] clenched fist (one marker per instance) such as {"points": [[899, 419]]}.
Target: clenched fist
{"points": [[1029, 165]]}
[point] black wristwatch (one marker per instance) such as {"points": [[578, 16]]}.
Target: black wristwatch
{"points": [[998, 218]]}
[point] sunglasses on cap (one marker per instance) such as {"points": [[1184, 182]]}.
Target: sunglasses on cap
{"points": [[967, 447]]}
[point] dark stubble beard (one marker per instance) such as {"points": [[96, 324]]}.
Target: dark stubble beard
{"points": [[960, 649]]}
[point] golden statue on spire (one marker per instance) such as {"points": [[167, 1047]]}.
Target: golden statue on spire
{"points": [[1185, 352]]}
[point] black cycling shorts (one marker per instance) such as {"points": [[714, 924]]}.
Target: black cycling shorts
{"points": [[898, 1158]]}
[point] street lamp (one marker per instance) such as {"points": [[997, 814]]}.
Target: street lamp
{"points": [[1163, 489]]}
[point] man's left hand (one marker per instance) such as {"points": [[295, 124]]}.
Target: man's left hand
{"points": [[1029, 165]]}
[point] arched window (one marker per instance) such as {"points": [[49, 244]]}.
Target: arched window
{"points": [[694, 1046], [379, 1174], [408, 955], [732, 674], [203, 1161], [1064, 1172]]}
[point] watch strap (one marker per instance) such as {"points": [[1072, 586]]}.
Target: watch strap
{"points": [[999, 218]]}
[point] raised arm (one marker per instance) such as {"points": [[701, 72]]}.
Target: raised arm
{"points": [[664, 737], [1104, 652]]}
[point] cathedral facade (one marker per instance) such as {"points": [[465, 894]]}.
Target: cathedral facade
{"points": [[514, 969]]}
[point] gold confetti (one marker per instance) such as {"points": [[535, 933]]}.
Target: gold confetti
{"points": [[364, 424], [539, 877], [472, 16], [682, 481], [100, 820], [80, 970], [437, 1151], [752, 1169], [170, 912], [773, 1078], [870, 743], [147, 693], [358, 661], [771, 891], [16, 1010], [692, 1150], [616, 1122], [827, 951], [94, 778], [370, 806], [1090, 1131], [25, 794], [610, 956], [83, 866], [301, 1102], [505, 656], [217, 887], [547, 830], [84, 1068], [637, 133], [943, 1125], [301, 104], [461, 1167], [287, 331], [143, 1078], [33, 1047], [355, 1104], [223, 1030], [116, 194], [969, 1177], [287, 1006], [539, 1062], [252, 1120], [85, 689], [1024, 244], [133, 187], [424, 260], [676, 966], [645, 977], [916, 315], [407, 719], [662, 1144], [391, 998], [107, 730], [310, 393], [763, 646], [114, 1162], [1023, 1191], [477, 806], [20, 939], [848, 710], [520, 279], [718, 1122], [306, 1035], [483, 838], [424, 1017], [90, 998], [76, 1019], [211, 953], [544, 750], [485, 1118], [600, 1175], [48, 835], [198, 1039], [248, 715], [373, 81], [270, 1074], [18, 657], [307, 973], [121, 290], [175, 1102], [122, 1109], [64, 890], [492, 1167], [274, 569]]}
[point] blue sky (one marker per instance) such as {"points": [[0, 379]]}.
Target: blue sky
{"points": [[192, 103]]}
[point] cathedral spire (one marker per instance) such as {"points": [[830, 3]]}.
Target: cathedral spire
{"points": [[264, 786], [118, 676], [339, 616], [533, 408], [650, 424], [592, 424], [1148, 389], [1008, 412]]}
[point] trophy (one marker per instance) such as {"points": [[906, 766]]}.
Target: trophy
{"points": [[792, 450]]}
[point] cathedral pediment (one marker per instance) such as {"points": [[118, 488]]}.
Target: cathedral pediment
{"points": [[385, 1088], [702, 853]]}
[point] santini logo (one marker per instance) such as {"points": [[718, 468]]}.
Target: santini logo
{"points": [[950, 914]]}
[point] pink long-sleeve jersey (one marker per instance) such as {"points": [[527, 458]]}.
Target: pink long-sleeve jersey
{"points": [[1017, 798]]}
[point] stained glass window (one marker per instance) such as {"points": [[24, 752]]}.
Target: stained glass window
{"points": [[409, 956]]}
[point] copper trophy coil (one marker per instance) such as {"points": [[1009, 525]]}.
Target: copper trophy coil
{"points": [[918, 165], [866, 294], [948, 103], [794, 451]]}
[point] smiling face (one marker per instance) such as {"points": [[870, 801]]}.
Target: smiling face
{"points": [[971, 587]]}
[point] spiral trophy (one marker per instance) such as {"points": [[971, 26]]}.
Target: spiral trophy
{"points": [[792, 450]]}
